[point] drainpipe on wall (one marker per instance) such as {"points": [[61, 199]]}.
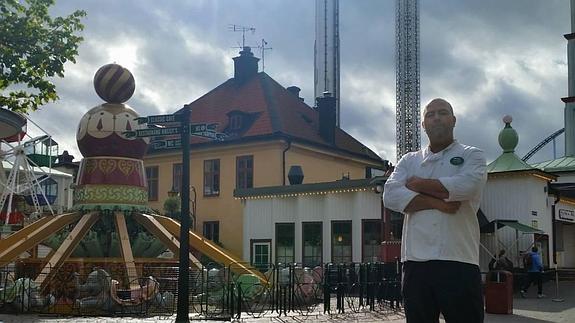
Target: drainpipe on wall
{"points": [[284, 161]]}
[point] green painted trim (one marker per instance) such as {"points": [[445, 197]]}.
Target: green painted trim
{"points": [[111, 207], [110, 197]]}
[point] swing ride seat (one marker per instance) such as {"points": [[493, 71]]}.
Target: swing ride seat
{"points": [[42, 160], [11, 123], [16, 217]]}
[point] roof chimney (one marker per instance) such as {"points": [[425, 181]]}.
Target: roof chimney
{"points": [[245, 65], [65, 158], [326, 109], [295, 91]]}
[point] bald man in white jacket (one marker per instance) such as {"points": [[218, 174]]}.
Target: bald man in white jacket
{"points": [[439, 188]]}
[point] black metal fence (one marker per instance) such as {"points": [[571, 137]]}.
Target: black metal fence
{"points": [[215, 291]]}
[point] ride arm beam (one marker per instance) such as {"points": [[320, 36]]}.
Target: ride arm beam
{"points": [[66, 248], [23, 233], [126, 249], [18, 243], [168, 239], [211, 250]]}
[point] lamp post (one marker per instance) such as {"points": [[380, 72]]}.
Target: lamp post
{"points": [[183, 276]]}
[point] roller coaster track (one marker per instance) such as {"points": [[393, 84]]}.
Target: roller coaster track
{"points": [[542, 144]]}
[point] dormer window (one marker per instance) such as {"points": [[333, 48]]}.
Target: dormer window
{"points": [[239, 122], [235, 122]]}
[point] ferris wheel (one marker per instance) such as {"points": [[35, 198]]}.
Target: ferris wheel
{"points": [[25, 191]]}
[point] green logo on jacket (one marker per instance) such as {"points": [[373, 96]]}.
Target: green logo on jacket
{"points": [[456, 161]]}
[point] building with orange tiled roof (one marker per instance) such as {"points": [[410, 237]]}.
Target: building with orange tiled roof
{"points": [[264, 130]]}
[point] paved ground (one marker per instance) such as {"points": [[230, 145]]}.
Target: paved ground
{"points": [[529, 310]]}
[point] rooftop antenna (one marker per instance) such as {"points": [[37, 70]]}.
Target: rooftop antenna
{"points": [[242, 29], [263, 48]]}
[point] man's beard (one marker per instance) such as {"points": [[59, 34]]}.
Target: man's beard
{"points": [[438, 132]]}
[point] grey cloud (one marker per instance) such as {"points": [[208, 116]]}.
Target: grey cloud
{"points": [[180, 75]]}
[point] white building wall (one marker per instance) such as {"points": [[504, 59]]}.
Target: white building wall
{"points": [[63, 202], [258, 221], [261, 215], [515, 197]]}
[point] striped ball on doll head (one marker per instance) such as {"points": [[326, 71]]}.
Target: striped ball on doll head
{"points": [[114, 83]]}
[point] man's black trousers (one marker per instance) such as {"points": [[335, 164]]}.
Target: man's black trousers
{"points": [[448, 287]]}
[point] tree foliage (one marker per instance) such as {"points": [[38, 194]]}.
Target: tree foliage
{"points": [[34, 48], [172, 206]]}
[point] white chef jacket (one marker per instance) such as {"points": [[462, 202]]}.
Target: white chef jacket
{"points": [[432, 234]]}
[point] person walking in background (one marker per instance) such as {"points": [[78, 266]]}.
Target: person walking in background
{"points": [[439, 188], [534, 266]]}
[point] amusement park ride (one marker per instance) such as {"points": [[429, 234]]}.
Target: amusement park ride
{"points": [[29, 180], [111, 225]]}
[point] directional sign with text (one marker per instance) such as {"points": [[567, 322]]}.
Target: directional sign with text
{"points": [[167, 144], [202, 127], [209, 134], [202, 130], [153, 132], [159, 119]]}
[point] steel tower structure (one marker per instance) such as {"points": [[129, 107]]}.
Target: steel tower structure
{"points": [[408, 134], [326, 56]]}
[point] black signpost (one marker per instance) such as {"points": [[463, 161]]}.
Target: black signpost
{"points": [[184, 270], [159, 119], [185, 130], [153, 132]]}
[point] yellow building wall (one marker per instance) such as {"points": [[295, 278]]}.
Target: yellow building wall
{"points": [[317, 166], [223, 208], [322, 166]]}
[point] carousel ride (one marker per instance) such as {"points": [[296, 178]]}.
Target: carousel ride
{"points": [[112, 233]]}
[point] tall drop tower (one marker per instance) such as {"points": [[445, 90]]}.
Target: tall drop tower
{"points": [[326, 51], [570, 100], [408, 135]]}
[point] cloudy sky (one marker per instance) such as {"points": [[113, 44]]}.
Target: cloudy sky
{"points": [[489, 58]]}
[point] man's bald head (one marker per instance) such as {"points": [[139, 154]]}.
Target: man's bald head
{"points": [[438, 102], [438, 123]]}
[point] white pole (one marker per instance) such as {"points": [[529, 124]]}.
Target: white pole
{"points": [[557, 299]]}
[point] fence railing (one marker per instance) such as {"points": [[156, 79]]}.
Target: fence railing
{"points": [[215, 291]]}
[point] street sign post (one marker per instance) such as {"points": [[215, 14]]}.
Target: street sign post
{"points": [[159, 119], [183, 310], [151, 132], [207, 134], [202, 127], [167, 144], [185, 130]]}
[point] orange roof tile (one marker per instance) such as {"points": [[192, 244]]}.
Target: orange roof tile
{"points": [[275, 112]]}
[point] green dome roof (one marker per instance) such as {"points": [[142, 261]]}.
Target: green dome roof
{"points": [[508, 137], [508, 161]]}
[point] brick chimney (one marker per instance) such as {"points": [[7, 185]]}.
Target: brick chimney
{"points": [[245, 65], [326, 109], [295, 91]]}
